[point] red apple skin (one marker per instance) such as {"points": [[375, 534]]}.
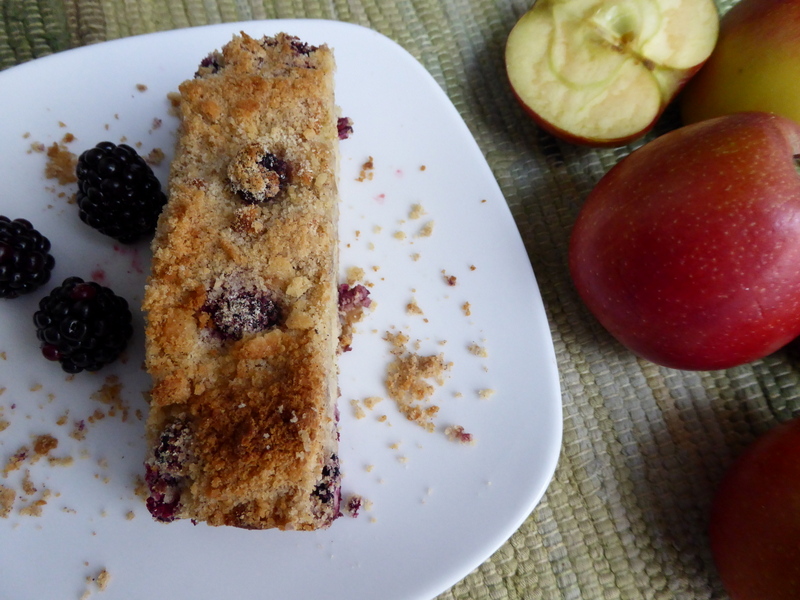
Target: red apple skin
{"points": [[754, 528], [688, 250]]}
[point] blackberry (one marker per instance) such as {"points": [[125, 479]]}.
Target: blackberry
{"points": [[118, 193], [25, 259], [82, 325]]}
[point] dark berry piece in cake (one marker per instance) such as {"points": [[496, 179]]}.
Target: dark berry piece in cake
{"points": [[82, 325], [210, 64], [344, 126], [257, 175], [236, 310], [25, 259], [166, 469], [165, 496], [118, 193], [328, 491]]}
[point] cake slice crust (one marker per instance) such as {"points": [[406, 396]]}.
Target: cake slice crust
{"points": [[241, 305]]}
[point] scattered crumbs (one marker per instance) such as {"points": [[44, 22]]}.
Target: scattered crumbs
{"points": [[399, 235], [358, 412], [422, 167], [354, 275], [478, 350], [7, 496], [62, 461], [42, 445], [416, 211], [16, 460], [485, 394], [141, 87], [409, 380], [382, 419], [371, 401], [377, 229], [27, 484], [367, 468], [450, 280], [68, 138], [427, 230], [26, 135], [458, 395], [155, 157], [69, 510], [34, 509], [376, 268], [467, 308], [36, 387], [101, 581], [403, 460], [157, 123], [353, 505], [62, 420], [62, 124], [412, 308], [3, 355], [395, 446], [415, 256], [130, 515], [4, 424], [61, 164], [110, 393], [78, 430], [472, 268], [367, 170], [456, 433]]}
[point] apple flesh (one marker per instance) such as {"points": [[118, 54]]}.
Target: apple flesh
{"points": [[755, 519], [601, 72], [755, 66], [688, 250]]}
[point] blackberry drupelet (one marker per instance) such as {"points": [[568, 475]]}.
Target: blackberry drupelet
{"points": [[25, 259], [82, 325], [118, 193]]}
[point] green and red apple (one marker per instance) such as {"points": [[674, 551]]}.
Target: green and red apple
{"points": [[688, 249], [601, 72], [754, 67], [755, 519]]}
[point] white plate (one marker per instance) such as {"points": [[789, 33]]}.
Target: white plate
{"points": [[438, 508]]}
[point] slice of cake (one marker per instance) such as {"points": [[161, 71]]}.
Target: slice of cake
{"points": [[241, 305]]}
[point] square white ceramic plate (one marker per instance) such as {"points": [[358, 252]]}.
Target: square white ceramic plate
{"points": [[437, 508]]}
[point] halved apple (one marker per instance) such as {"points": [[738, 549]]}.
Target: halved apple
{"points": [[601, 72]]}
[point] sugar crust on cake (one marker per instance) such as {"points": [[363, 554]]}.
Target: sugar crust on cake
{"points": [[241, 305]]}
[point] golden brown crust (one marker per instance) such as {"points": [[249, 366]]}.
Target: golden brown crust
{"points": [[242, 421]]}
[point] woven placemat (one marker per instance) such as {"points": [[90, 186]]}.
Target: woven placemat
{"points": [[625, 516]]}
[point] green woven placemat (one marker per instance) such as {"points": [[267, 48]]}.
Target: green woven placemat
{"points": [[644, 446]]}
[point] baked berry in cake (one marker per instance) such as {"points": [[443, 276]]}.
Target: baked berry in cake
{"points": [[242, 302]]}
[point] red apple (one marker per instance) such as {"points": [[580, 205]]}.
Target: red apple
{"points": [[601, 72], [755, 519], [688, 250], [755, 65]]}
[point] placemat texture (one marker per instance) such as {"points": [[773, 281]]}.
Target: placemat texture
{"points": [[625, 516]]}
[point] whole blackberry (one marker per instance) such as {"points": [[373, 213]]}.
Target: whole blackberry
{"points": [[82, 325], [25, 259], [118, 193]]}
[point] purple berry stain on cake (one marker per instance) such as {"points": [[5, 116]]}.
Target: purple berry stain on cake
{"points": [[327, 492], [236, 312], [165, 471]]}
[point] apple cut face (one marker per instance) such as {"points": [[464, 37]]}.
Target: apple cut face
{"points": [[601, 72]]}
